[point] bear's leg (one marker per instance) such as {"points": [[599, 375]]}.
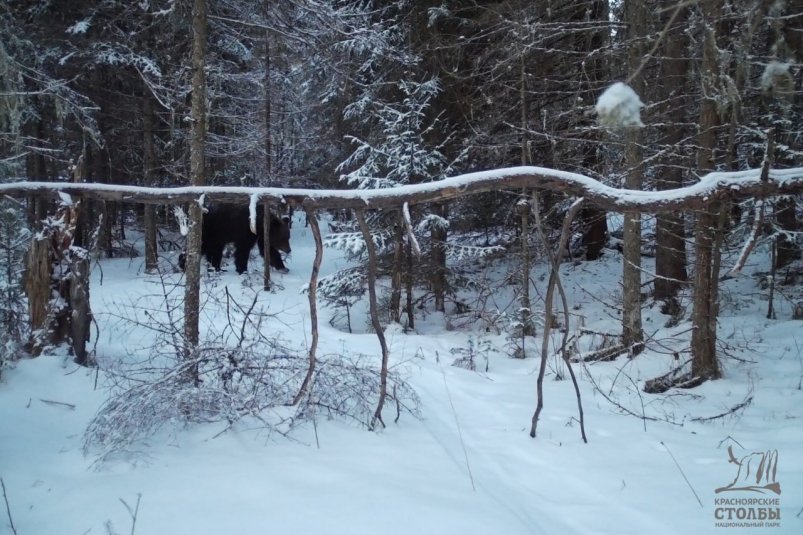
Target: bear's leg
{"points": [[276, 261], [241, 254], [215, 257]]}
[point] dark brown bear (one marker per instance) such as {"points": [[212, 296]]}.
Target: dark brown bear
{"points": [[229, 224]]}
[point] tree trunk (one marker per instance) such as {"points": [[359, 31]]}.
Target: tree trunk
{"points": [[787, 223], [595, 231], [408, 285], [149, 165], [438, 258], [526, 327], [268, 118], [632, 334], [394, 307], [523, 205], [266, 217], [670, 234], [80, 314], [705, 364], [198, 178], [38, 275]]}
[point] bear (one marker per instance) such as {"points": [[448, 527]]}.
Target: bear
{"points": [[230, 224]]}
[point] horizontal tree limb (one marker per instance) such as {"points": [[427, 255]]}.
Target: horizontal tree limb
{"points": [[713, 186]]}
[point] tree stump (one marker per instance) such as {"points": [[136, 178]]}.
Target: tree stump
{"points": [[57, 286]]}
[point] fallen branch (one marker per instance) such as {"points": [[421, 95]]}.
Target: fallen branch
{"points": [[712, 187], [739, 406], [670, 379], [59, 403], [604, 354]]}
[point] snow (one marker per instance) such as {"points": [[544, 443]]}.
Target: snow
{"points": [[467, 467], [774, 75], [80, 27], [619, 107]]}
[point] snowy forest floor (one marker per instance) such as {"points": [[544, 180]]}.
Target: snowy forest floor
{"points": [[467, 466]]}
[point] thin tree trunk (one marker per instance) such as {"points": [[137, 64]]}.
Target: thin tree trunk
{"points": [[149, 166], [408, 284], [525, 305], [438, 256], [268, 110], [197, 176], [266, 217], [394, 308], [374, 310]]}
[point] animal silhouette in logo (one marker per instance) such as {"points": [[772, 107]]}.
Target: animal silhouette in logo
{"points": [[756, 472]]}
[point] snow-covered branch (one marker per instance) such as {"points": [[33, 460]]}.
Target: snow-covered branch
{"points": [[713, 186]]}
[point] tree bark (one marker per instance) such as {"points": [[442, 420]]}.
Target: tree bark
{"points": [[149, 166], [198, 177], [670, 234], [632, 334], [439, 235], [394, 307], [705, 364], [408, 284], [524, 207], [266, 217]]}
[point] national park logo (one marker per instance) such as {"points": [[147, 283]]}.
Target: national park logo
{"points": [[756, 473]]}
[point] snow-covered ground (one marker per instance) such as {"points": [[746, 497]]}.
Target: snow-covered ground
{"points": [[467, 467]]}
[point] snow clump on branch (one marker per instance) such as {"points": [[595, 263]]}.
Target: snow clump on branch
{"points": [[619, 107], [777, 77]]}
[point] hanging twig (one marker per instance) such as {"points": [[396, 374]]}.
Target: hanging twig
{"points": [[313, 309], [564, 301], [383, 378], [553, 279]]}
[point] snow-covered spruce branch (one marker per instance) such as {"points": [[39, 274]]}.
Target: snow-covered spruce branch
{"points": [[713, 186]]}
